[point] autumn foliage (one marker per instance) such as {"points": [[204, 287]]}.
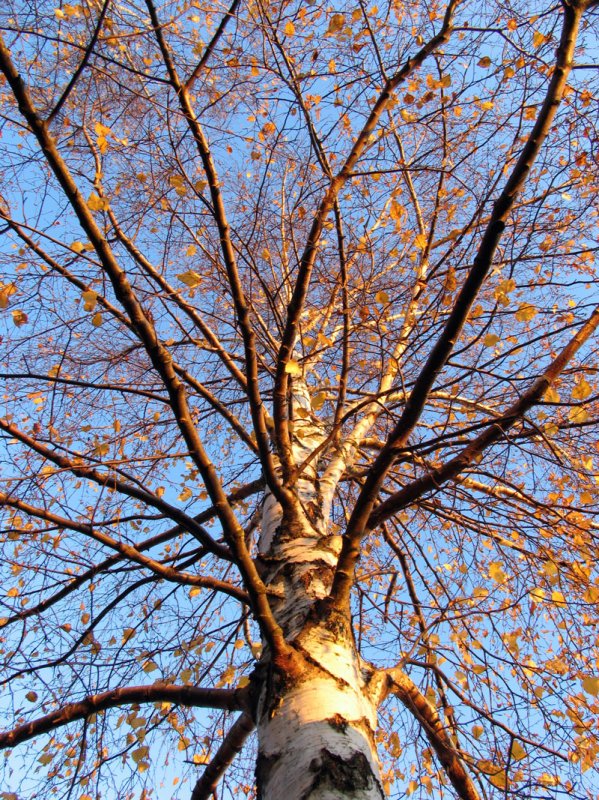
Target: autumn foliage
{"points": [[335, 260]]}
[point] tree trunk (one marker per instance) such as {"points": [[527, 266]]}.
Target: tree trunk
{"points": [[316, 732], [316, 727]]}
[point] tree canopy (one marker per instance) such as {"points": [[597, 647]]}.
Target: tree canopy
{"points": [[299, 306]]}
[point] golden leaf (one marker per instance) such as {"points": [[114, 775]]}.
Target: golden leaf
{"points": [[19, 317], [90, 298], [190, 278], [517, 752], [96, 203], [336, 24], [139, 754], [289, 28], [526, 312], [591, 685], [318, 401], [577, 415], [496, 572], [558, 598], [582, 390], [490, 340], [293, 368]]}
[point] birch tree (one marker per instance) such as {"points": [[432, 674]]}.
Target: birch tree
{"points": [[299, 353]]}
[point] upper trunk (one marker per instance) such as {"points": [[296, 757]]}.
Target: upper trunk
{"points": [[315, 727]]}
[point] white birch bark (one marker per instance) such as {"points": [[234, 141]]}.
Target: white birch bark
{"points": [[316, 729], [316, 735]]}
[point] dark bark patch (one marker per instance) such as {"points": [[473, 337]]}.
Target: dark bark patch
{"points": [[346, 775], [264, 766], [338, 722]]}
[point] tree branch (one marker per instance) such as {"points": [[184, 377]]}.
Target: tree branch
{"points": [[495, 431], [359, 520], [401, 685], [229, 748], [228, 699]]}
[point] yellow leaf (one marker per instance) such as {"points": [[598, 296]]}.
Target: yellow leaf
{"points": [[537, 595], [490, 340], [244, 681], [577, 415], [477, 731], [128, 633], [486, 105], [582, 390], [199, 758], [190, 278], [90, 298], [96, 203], [150, 666], [485, 62], [591, 685], [496, 572], [289, 28], [526, 312], [538, 39], [195, 590], [396, 211], [139, 754], [318, 401], [31, 696], [293, 368], [591, 595], [420, 241], [101, 449], [14, 592], [499, 780], [178, 184], [558, 598], [551, 396], [19, 317], [5, 293], [381, 297], [495, 774], [97, 320], [191, 250], [336, 24], [517, 752], [185, 494]]}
